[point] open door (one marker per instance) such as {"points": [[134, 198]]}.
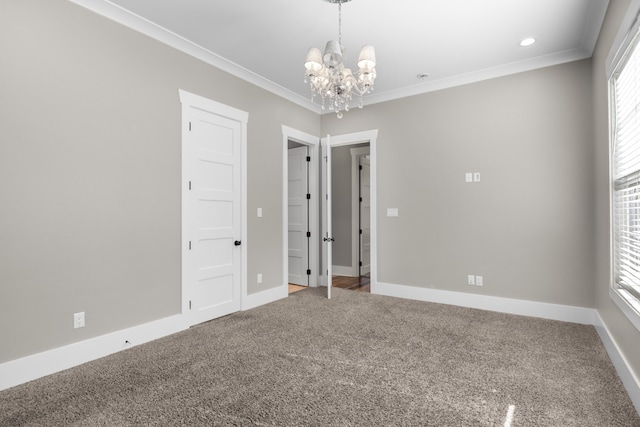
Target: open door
{"points": [[327, 239]]}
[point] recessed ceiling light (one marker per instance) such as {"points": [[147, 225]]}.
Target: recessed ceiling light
{"points": [[527, 42]]}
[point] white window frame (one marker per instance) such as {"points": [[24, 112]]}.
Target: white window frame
{"points": [[627, 40]]}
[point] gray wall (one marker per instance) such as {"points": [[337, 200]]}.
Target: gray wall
{"points": [[90, 173], [527, 226], [624, 333]]}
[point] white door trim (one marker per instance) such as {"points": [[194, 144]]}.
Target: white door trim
{"points": [[370, 136], [327, 228], [313, 142], [190, 100]]}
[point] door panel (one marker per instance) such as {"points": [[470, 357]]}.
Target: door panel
{"points": [[298, 214], [214, 260]]}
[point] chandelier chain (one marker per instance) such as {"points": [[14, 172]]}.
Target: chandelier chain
{"points": [[340, 24]]}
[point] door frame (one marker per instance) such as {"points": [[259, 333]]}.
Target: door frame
{"points": [[356, 154], [313, 142], [188, 101], [371, 137]]}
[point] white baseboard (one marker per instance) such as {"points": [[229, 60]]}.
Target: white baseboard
{"points": [[31, 367], [38, 365], [343, 270], [265, 297], [630, 381], [543, 310]]}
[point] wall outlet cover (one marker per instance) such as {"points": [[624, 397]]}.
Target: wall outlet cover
{"points": [[78, 320]]}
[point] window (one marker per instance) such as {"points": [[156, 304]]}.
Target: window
{"points": [[625, 175]]}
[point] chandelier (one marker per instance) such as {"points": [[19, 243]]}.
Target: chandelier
{"points": [[329, 79]]}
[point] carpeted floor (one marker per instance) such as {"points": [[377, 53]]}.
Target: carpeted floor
{"points": [[357, 360]]}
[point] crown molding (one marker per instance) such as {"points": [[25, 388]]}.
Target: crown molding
{"points": [[137, 23], [479, 75], [144, 26]]}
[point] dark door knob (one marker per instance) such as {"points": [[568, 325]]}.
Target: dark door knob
{"points": [[237, 243]]}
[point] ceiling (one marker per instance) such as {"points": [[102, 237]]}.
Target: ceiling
{"points": [[454, 41]]}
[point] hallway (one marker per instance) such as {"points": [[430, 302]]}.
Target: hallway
{"points": [[361, 283]]}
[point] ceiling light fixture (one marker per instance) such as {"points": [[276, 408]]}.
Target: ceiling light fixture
{"points": [[527, 42], [328, 78]]}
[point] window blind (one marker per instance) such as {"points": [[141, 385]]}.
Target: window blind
{"points": [[625, 85]]}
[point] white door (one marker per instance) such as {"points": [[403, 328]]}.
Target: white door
{"points": [[365, 215], [298, 214], [212, 219], [327, 239]]}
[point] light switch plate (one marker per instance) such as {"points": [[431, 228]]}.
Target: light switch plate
{"points": [[468, 177], [392, 211], [259, 212]]}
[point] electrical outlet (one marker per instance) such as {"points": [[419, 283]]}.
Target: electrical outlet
{"points": [[478, 280], [78, 320], [259, 278], [471, 279], [476, 177]]}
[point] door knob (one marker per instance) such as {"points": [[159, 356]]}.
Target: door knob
{"points": [[237, 243]]}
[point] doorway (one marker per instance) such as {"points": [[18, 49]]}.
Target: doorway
{"points": [[213, 214], [300, 209], [320, 253], [298, 201], [352, 244], [351, 216]]}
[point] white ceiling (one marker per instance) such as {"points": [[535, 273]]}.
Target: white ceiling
{"points": [[454, 41]]}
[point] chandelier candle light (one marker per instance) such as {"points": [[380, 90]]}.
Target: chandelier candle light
{"points": [[328, 77]]}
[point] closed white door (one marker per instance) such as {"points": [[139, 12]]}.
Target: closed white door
{"points": [[212, 220], [365, 215], [298, 214]]}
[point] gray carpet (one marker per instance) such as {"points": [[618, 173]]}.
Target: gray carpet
{"points": [[357, 360]]}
